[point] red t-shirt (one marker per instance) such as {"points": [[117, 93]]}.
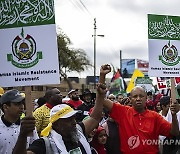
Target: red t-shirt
{"points": [[74, 104], [139, 132]]}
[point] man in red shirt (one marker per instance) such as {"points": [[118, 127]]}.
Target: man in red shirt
{"points": [[74, 101], [140, 128]]}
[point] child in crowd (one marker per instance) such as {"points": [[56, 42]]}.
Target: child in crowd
{"points": [[99, 140]]}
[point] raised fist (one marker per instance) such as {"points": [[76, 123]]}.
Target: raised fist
{"points": [[105, 69]]}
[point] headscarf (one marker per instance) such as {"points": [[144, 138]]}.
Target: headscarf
{"points": [[58, 111], [95, 144]]}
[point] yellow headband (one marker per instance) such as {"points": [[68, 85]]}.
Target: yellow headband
{"points": [[55, 117]]}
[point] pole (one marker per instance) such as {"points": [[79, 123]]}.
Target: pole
{"points": [[95, 53], [120, 57]]}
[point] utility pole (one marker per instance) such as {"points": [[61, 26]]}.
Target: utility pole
{"points": [[95, 51], [120, 58]]}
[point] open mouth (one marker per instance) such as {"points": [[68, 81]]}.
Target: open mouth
{"points": [[138, 103]]}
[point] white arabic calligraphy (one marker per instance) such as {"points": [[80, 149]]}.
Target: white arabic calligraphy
{"points": [[25, 11], [165, 28]]}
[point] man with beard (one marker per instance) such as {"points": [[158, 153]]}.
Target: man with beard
{"points": [[74, 101], [42, 114], [64, 135]]}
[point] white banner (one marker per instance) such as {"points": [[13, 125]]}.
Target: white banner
{"points": [[29, 56]]}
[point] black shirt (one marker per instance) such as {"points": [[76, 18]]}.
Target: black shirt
{"points": [[85, 107]]}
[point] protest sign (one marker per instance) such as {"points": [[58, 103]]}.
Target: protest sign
{"points": [[144, 82], [164, 45], [28, 45]]}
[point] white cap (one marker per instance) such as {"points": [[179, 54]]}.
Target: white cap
{"points": [[73, 90], [68, 111]]}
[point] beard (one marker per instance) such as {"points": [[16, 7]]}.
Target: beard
{"points": [[75, 98], [72, 138], [75, 136]]}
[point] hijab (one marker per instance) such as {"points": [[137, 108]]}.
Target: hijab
{"points": [[95, 144]]}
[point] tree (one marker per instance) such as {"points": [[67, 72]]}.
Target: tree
{"points": [[70, 59]]}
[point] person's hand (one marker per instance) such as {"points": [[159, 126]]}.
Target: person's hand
{"points": [[101, 89], [174, 107], [105, 69], [27, 126]]}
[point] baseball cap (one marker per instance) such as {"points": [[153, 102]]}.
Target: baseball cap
{"points": [[73, 90], [57, 112], [63, 111], [11, 96]]}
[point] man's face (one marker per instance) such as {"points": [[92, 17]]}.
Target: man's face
{"points": [[56, 97], [138, 99], [14, 110], [165, 108], [149, 96], [75, 96], [87, 98], [67, 128], [120, 98], [112, 98]]}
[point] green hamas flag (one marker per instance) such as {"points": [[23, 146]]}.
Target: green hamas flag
{"points": [[163, 27], [23, 13]]}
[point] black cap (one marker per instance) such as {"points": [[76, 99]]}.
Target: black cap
{"points": [[86, 92], [11, 96]]}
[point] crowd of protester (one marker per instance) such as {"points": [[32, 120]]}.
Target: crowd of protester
{"points": [[94, 123]]}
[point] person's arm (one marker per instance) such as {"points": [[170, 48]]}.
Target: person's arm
{"points": [[27, 127], [93, 121], [175, 125], [108, 104], [96, 115]]}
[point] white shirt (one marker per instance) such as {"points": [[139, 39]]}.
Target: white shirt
{"points": [[9, 135], [169, 119]]}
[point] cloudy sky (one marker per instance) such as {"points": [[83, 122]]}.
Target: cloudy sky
{"points": [[123, 22]]}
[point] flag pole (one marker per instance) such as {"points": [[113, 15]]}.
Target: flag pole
{"points": [[120, 57]]}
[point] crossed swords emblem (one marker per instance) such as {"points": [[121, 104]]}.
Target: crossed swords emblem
{"points": [[26, 55]]}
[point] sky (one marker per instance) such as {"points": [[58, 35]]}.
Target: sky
{"points": [[122, 22]]}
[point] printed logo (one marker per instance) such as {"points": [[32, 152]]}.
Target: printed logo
{"points": [[24, 51], [75, 151], [133, 142], [169, 55]]}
